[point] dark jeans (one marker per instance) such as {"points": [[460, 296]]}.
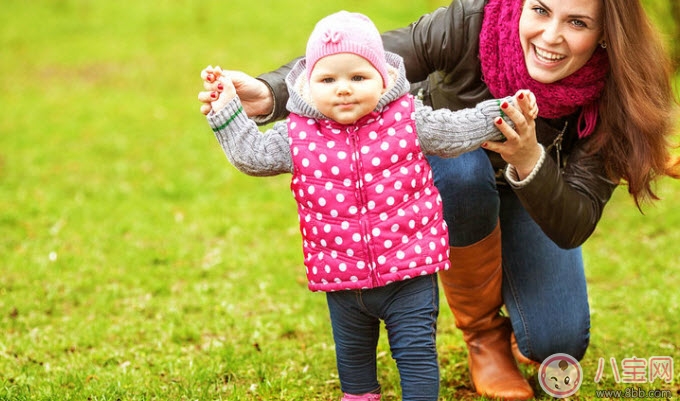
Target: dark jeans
{"points": [[409, 309], [544, 286]]}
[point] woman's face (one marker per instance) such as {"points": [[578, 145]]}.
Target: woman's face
{"points": [[559, 36]]}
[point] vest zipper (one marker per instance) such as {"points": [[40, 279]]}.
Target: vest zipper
{"points": [[363, 204]]}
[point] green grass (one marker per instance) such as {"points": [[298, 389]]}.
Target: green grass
{"points": [[136, 264]]}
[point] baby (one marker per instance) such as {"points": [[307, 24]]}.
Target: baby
{"points": [[370, 215]]}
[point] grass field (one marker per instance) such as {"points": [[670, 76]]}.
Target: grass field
{"points": [[136, 264]]}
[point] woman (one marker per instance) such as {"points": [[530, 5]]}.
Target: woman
{"points": [[603, 86]]}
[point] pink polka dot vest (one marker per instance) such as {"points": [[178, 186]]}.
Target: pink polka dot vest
{"points": [[369, 212]]}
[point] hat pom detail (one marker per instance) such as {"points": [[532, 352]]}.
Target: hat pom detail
{"points": [[331, 36]]}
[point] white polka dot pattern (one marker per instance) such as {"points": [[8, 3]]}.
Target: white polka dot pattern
{"points": [[368, 208]]}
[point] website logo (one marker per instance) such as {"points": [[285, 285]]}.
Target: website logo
{"points": [[560, 375]]}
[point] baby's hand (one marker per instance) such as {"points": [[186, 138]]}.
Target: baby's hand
{"points": [[211, 74], [224, 94], [527, 103], [219, 89]]}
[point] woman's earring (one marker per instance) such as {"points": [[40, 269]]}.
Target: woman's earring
{"points": [[603, 44]]}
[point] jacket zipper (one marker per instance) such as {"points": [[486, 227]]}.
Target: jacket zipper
{"points": [[557, 144]]}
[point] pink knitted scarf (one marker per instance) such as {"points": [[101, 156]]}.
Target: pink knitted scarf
{"points": [[505, 72]]}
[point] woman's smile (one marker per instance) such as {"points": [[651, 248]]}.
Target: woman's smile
{"points": [[547, 56]]}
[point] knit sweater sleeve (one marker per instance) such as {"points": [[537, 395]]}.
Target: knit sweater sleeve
{"points": [[448, 133], [250, 151]]}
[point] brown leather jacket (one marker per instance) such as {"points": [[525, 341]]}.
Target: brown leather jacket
{"points": [[567, 195]]}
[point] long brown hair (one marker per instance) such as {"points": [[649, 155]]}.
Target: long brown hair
{"points": [[638, 106]]}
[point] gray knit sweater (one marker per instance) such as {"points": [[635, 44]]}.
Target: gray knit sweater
{"points": [[441, 132]]}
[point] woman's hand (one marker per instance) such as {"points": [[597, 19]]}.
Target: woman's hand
{"points": [[521, 148], [253, 93]]}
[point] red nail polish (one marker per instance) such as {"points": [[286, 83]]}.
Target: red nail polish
{"points": [[213, 95], [499, 121], [220, 87], [520, 96], [504, 105], [210, 78]]}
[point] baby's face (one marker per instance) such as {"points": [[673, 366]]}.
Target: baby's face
{"points": [[345, 87]]}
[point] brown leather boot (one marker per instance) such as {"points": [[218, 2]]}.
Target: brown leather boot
{"points": [[473, 290]]}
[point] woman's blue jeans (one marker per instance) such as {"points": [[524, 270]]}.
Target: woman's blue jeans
{"points": [[409, 309], [544, 286]]}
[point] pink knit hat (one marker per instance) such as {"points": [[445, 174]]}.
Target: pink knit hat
{"points": [[345, 32]]}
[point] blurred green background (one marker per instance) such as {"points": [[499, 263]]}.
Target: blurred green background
{"points": [[137, 264]]}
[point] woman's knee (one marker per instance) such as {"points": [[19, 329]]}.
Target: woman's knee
{"points": [[555, 339]]}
